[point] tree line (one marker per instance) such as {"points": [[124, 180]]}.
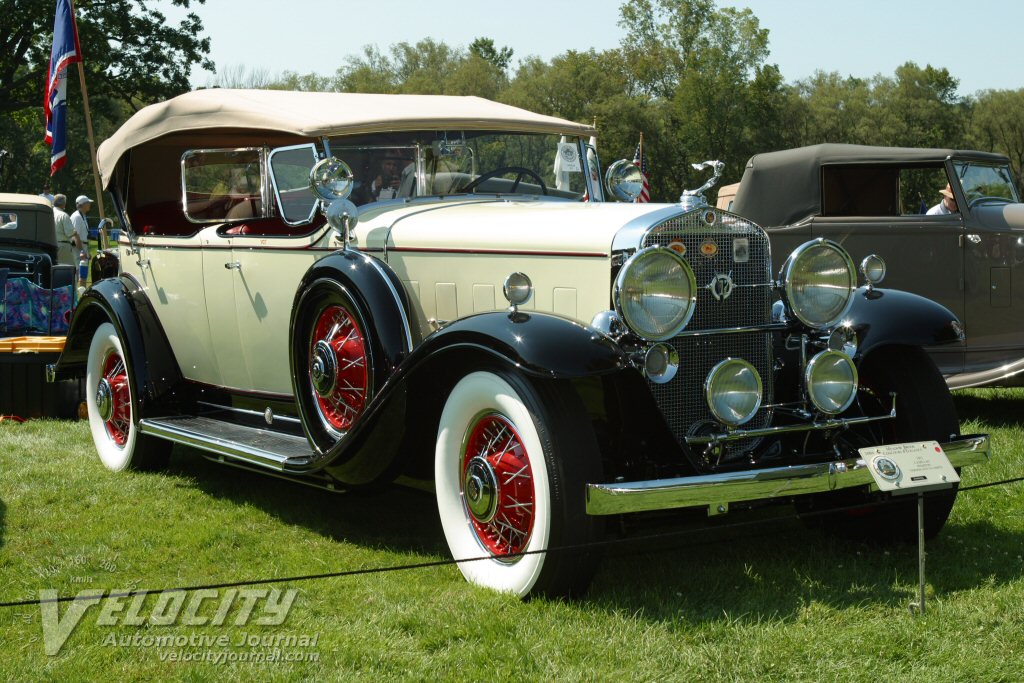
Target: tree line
{"points": [[694, 78]]}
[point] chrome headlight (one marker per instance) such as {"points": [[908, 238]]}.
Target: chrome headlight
{"points": [[819, 281], [655, 293], [733, 390], [831, 379]]}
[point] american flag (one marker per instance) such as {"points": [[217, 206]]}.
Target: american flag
{"points": [[65, 52], [640, 161]]}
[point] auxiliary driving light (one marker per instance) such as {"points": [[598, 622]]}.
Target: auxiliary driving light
{"points": [[733, 389], [661, 363], [831, 379]]}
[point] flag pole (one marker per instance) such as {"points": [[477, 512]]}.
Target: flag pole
{"points": [[92, 141]]}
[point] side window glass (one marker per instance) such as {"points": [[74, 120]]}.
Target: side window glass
{"points": [[8, 220], [222, 185], [920, 189], [289, 168]]}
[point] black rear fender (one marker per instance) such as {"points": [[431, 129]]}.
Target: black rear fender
{"points": [[157, 383]]}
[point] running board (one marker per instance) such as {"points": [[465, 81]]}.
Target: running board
{"points": [[269, 449]]}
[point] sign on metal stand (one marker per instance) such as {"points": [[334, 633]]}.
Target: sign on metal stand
{"points": [[906, 468]]}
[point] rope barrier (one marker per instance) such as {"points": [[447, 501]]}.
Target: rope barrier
{"points": [[681, 533]]}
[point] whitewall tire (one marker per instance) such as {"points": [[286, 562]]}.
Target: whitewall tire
{"points": [[112, 419], [510, 471]]}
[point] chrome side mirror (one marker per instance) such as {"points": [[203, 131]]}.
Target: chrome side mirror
{"points": [[342, 216], [624, 181], [332, 181]]}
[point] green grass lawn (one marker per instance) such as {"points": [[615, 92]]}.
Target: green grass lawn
{"points": [[754, 603]]}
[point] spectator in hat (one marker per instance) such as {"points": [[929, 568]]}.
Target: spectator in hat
{"points": [[947, 205], [67, 238], [392, 170], [82, 204]]}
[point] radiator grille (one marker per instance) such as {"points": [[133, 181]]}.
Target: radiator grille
{"points": [[730, 246]]}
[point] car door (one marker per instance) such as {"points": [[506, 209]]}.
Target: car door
{"points": [[923, 255], [994, 311], [220, 273], [265, 281]]}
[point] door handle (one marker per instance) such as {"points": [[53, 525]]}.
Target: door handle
{"points": [[233, 265], [974, 239]]}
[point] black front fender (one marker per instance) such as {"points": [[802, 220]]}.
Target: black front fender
{"points": [[889, 316], [379, 294], [404, 416], [157, 383]]}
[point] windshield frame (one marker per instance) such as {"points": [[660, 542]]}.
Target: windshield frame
{"points": [[423, 147], [962, 167]]}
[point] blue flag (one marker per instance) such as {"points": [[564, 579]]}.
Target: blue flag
{"points": [[65, 51]]}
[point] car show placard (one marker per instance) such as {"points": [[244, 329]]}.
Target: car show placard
{"points": [[910, 467]]}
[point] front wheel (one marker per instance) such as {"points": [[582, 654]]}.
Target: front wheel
{"points": [[112, 421], [333, 373], [924, 412], [511, 464]]}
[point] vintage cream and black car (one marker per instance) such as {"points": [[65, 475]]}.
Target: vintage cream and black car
{"points": [[345, 289], [875, 201]]}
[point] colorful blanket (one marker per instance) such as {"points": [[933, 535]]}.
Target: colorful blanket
{"points": [[27, 308]]}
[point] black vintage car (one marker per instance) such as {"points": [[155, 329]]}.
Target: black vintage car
{"points": [[875, 201], [35, 293]]}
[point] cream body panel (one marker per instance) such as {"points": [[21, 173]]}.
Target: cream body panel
{"points": [[171, 274], [455, 253], [219, 283], [265, 285]]}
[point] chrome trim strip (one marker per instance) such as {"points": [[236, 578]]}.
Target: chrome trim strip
{"points": [[398, 300], [715, 490], [245, 411], [631, 235], [230, 449], [738, 434], [769, 327]]}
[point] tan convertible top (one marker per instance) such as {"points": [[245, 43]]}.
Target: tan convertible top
{"points": [[313, 114]]}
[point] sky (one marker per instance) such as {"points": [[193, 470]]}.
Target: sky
{"points": [[979, 41]]}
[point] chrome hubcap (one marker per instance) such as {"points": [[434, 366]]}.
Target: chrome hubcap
{"points": [[323, 368], [481, 487], [104, 400]]}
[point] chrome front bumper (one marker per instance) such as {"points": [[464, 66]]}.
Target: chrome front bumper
{"points": [[718, 491]]}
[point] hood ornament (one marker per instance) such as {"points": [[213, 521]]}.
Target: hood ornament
{"points": [[694, 199]]}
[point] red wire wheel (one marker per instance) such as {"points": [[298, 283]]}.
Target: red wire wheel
{"points": [[497, 485], [114, 400], [338, 368]]}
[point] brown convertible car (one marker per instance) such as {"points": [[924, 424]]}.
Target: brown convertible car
{"points": [[875, 201]]}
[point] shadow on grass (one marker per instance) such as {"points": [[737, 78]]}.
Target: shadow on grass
{"points": [[780, 569], [773, 569], [993, 407], [394, 518], [3, 515]]}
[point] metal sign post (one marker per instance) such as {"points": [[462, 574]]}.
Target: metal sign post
{"points": [[906, 468], [919, 605]]}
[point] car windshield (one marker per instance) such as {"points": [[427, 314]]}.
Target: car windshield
{"points": [[983, 182], [399, 165]]}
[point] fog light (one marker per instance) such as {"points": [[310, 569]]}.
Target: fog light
{"points": [[831, 379], [661, 363], [733, 389]]}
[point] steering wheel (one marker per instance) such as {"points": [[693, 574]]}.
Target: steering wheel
{"points": [[978, 200], [520, 172]]}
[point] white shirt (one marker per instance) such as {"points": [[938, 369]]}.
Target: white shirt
{"points": [[81, 226], [939, 210]]}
